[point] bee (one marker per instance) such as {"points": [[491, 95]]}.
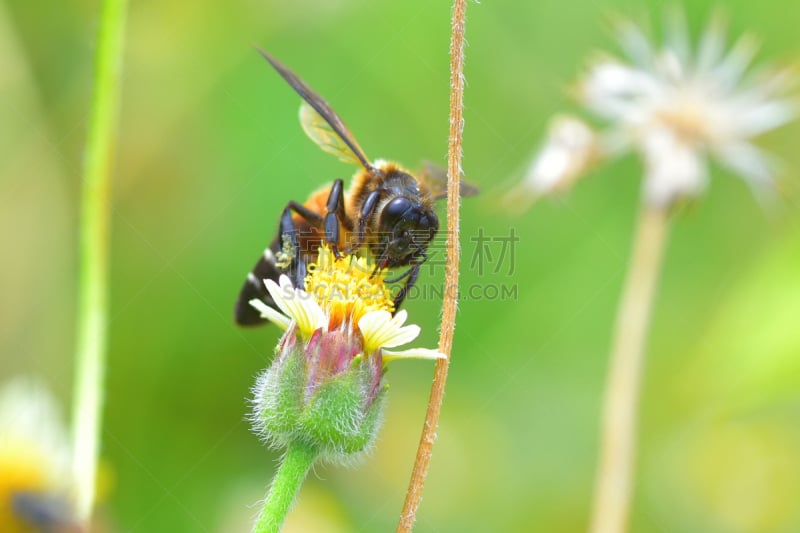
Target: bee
{"points": [[386, 210]]}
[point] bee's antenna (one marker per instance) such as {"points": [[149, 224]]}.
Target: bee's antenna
{"points": [[375, 270], [380, 261]]}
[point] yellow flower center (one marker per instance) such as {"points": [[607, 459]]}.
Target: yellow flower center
{"points": [[347, 288], [688, 117], [20, 472]]}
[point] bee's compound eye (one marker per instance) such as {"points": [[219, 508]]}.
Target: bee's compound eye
{"points": [[394, 211]]}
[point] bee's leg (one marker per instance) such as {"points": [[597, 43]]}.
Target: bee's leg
{"points": [[410, 275], [334, 216], [415, 263], [366, 211], [315, 219], [282, 256], [411, 278], [289, 231], [402, 276]]}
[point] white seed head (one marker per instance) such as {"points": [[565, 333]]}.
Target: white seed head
{"points": [[568, 151], [676, 107]]}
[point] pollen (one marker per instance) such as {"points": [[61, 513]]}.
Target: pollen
{"points": [[283, 259], [348, 287]]}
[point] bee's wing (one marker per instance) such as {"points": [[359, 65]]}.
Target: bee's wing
{"points": [[320, 121], [434, 179], [320, 130]]}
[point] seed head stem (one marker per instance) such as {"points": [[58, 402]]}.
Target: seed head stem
{"points": [[621, 401]]}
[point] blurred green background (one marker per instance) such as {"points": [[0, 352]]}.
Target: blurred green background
{"points": [[210, 150]]}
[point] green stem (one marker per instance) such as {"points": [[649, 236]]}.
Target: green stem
{"points": [[92, 319], [290, 475]]}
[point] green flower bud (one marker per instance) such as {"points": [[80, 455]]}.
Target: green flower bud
{"points": [[322, 393]]}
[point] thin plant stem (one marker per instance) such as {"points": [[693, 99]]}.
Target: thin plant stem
{"points": [[92, 318], [621, 402], [290, 475], [449, 306]]}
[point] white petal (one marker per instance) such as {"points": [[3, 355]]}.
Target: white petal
{"points": [[677, 35], [311, 315], [673, 169], [373, 320], [634, 43], [670, 67], [381, 330], [615, 91], [747, 161], [772, 81], [298, 305], [763, 117], [412, 353], [402, 336], [281, 293], [279, 319], [712, 45], [730, 71]]}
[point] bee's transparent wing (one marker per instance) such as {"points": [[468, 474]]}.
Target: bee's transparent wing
{"points": [[320, 121], [434, 179], [319, 130]]}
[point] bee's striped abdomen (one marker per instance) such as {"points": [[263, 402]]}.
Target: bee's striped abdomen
{"points": [[266, 268]]}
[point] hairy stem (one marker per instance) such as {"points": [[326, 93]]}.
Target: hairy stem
{"points": [[290, 475], [425, 449], [618, 434], [92, 311]]}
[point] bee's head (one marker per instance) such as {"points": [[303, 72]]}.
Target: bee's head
{"points": [[406, 227]]}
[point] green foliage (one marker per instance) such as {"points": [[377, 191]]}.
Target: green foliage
{"points": [[210, 152], [760, 366]]}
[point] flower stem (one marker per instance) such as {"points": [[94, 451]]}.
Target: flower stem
{"points": [[449, 306], [290, 475], [91, 338], [618, 436]]}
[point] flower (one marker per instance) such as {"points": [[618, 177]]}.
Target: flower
{"points": [[570, 148], [35, 476], [325, 385], [677, 107], [343, 293]]}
